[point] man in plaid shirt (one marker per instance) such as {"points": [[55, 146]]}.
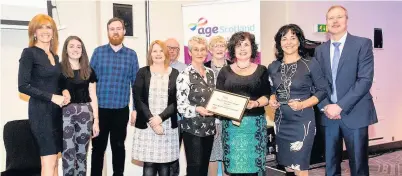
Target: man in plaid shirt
{"points": [[116, 67]]}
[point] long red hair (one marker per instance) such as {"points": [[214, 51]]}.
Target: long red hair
{"points": [[37, 23]]}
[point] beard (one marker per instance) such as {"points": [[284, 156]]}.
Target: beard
{"points": [[116, 39]]}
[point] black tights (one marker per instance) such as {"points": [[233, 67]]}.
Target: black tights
{"points": [[198, 151], [153, 169]]}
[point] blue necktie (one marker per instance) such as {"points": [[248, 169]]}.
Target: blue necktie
{"points": [[335, 62]]}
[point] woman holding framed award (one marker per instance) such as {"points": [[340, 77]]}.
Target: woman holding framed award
{"points": [[244, 144], [298, 85], [194, 87]]}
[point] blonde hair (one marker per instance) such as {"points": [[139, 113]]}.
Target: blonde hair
{"points": [[338, 6], [164, 50], [216, 39], [197, 40], [37, 23]]}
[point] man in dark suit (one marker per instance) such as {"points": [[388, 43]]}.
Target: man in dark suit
{"points": [[348, 64]]}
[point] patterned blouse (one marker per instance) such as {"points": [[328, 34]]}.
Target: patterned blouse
{"points": [[193, 90]]}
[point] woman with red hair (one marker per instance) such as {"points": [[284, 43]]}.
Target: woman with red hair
{"points": [[38, 76], [156, 136]]}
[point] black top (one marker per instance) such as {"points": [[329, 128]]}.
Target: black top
{"points": [[37, 77], [141, 86], [78, 87], [253, 86]]}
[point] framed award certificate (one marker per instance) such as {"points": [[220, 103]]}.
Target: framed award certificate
{"points": [[227, 104]]}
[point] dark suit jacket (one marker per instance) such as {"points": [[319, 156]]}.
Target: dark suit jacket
{"points": [[141, 86], [353, 82]]}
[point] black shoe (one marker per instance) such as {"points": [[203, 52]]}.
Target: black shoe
{"points": [[290, 174]]}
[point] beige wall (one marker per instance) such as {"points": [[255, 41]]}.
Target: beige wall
{"points": [[273, 16], [166, 23]]}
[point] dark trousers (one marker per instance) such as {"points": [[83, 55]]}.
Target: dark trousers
{"points": [[198, 152], [154, 169], [356, 141], [113, 121], [175, 166]]}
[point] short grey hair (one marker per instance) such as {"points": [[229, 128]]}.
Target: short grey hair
{"points": [[338, 6], [197, 40]]}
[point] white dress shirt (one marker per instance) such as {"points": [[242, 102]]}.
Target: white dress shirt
{"points": [[332, 47]]}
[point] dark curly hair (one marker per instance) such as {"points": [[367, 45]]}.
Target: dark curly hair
{"points": [[295, 29], [239, 37]]}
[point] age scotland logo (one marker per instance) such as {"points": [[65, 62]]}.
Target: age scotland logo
{"points": [[201, 28], [208, 31], [201, 22]]}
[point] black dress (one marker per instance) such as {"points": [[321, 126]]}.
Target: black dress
{"points": [[38, 78], [295, 130]]}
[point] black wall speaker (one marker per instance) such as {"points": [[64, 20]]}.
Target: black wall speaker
{"points": [[378, 38]]}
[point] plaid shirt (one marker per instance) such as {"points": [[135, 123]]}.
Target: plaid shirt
{"points": [[115, 71]]}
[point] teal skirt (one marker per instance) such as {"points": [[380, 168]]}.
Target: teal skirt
{"points": [[245, 146]]}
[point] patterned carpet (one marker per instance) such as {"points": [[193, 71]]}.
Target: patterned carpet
{"points": [[388, 164]]}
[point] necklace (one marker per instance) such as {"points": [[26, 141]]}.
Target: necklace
{"points": [[287, 78], [218, 67], [243, 67]]}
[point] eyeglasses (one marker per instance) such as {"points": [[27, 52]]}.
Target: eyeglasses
{"points": [[173, 48], [199, 50], [219, 46]]}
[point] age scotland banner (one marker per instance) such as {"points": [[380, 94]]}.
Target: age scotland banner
{"points": [[221, 18]]}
